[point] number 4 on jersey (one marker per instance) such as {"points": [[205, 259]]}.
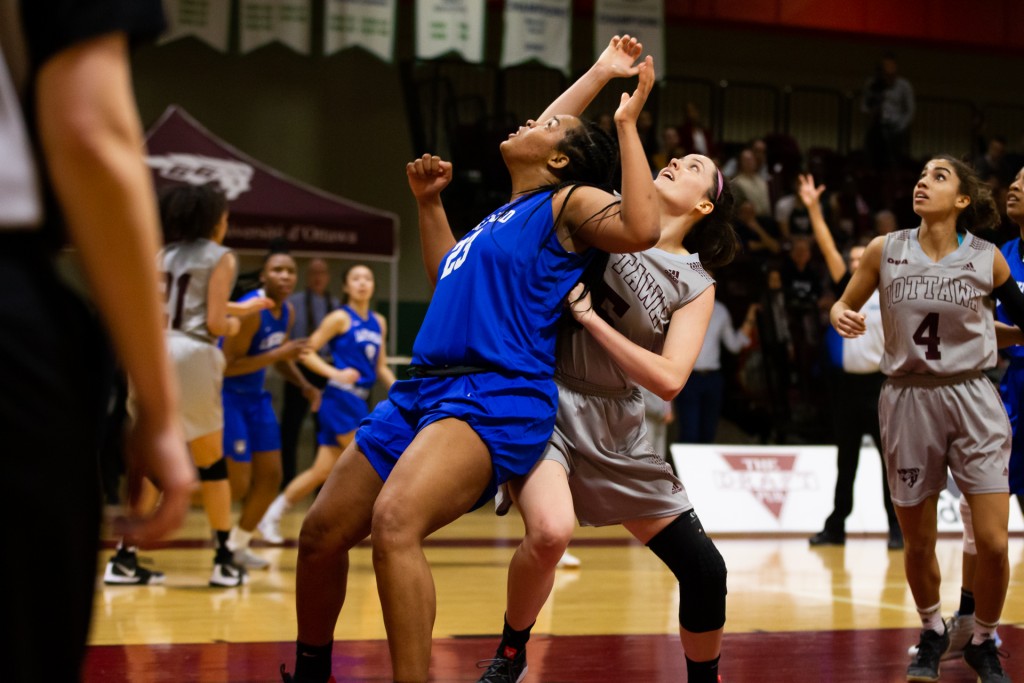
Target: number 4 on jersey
{"points": [[927, 335]]}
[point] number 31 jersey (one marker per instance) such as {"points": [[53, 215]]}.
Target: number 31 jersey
{"points": [[937, 317]]}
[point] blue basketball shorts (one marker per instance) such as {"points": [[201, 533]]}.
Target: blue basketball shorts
{"points": [[1010, 389], [513, 416], [250, 425], [340, 413]]}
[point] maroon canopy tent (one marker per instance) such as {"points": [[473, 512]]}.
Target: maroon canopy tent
{"points": [[266, 205]]}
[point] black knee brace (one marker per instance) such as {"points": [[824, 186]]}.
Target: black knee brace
{"points": [[698, 565], [215, 472]]}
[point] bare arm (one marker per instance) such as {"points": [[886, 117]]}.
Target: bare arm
{"points": [[334, 324], [617, 61], [236, 350], [92, 139], [635, 225], [663, 374], [427, 176], [218, 321], [1008, 335], [811, 197], [844, 314], [384, 373]]}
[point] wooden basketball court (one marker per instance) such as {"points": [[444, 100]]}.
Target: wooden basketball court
{"points": [[795, 614]]}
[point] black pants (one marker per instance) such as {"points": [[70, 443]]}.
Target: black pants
{"points": [[55, 373], [854, 400], [293, 414]]}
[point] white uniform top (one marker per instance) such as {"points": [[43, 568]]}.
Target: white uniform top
{"points": [[641, 292], [938, 317], [862, 355], [720, 333], [186, 268]]}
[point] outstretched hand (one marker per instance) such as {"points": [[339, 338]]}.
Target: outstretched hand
{"points": [[427, 176], [619, 58], [630, 106], [809, 194]]}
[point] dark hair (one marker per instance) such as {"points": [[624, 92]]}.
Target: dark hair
{"points": [[593, 156], [713, 238], [191, 212], [982, 213]]}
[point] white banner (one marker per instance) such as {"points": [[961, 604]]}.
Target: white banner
{"points": [[790, 489], [369, 24], [207, 20], [444, 26], [643, 19], [264, 21], [537, 29]]}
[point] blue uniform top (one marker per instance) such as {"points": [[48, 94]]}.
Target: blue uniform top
{"points": [[271, 333], [1012, 251], [359, 347], [500, 292]]}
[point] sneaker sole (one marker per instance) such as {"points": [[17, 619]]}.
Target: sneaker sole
{"points": [[115, 580]]}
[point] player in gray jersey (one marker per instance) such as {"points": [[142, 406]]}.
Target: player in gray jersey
{"points": [[198, 273], [652, 309], [937, 410]]}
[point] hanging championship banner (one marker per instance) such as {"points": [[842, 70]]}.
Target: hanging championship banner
{"points": [[444, 26], [644, 19], [265, 21], [369, 24], [539, 30], [207, 20]]}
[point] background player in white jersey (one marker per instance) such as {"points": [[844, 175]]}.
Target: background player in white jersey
{"points": [[197, 274], [654, 310], [482, 404], [937, 409], [357, 337]]}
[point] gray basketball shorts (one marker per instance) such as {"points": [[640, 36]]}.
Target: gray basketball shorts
{"points": [[929, 424], [200, 370], [614, 473]]}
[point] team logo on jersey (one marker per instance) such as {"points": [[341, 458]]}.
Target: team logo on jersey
{"points": [[969, 267], [909, 476], [239, 446], [897, 262], [672, 275], [769, 478]]}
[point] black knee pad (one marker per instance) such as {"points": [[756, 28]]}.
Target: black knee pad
{"points": [[693, 558], [215, 472]]}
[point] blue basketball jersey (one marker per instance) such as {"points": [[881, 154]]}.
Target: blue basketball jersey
{"points": [[500, 292], [271, 334], [359, 347], [1012, 251]]}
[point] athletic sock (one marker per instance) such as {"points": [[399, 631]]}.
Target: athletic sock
{"points": [[512, 641], [223, 552], [312, 663], [239, 538], [702, 672], [983, 631], [931, 618], [966, 603]]}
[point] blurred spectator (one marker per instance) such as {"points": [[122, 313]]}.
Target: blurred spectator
{"points": [[749, 185], [671, 148], [755, 237], [791, 215], [694, 136], [850, 214], [648, 135], [885, 222], [889, 103], [777, 352], [699, 404], [803, 290], [993, 162]]}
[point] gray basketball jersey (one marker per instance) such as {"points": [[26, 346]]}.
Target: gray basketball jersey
{"points": [[641, 292], [186, 268], [937, 317]]}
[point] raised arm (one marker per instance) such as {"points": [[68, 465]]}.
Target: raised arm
{"points": [[427, 176], [811, 197], [845, 316], [663, 374], [617, 61], [633, 224]]}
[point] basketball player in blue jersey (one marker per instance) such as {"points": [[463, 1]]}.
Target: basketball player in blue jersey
{"points": [[356, 337], [481, 405], [252, 437], [937, 410], [654, 307]]}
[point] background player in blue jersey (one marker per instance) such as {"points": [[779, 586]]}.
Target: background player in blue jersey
{"points": [[599, 463], [482, 404], [252, 437], [938, 412], [357, 337]]}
